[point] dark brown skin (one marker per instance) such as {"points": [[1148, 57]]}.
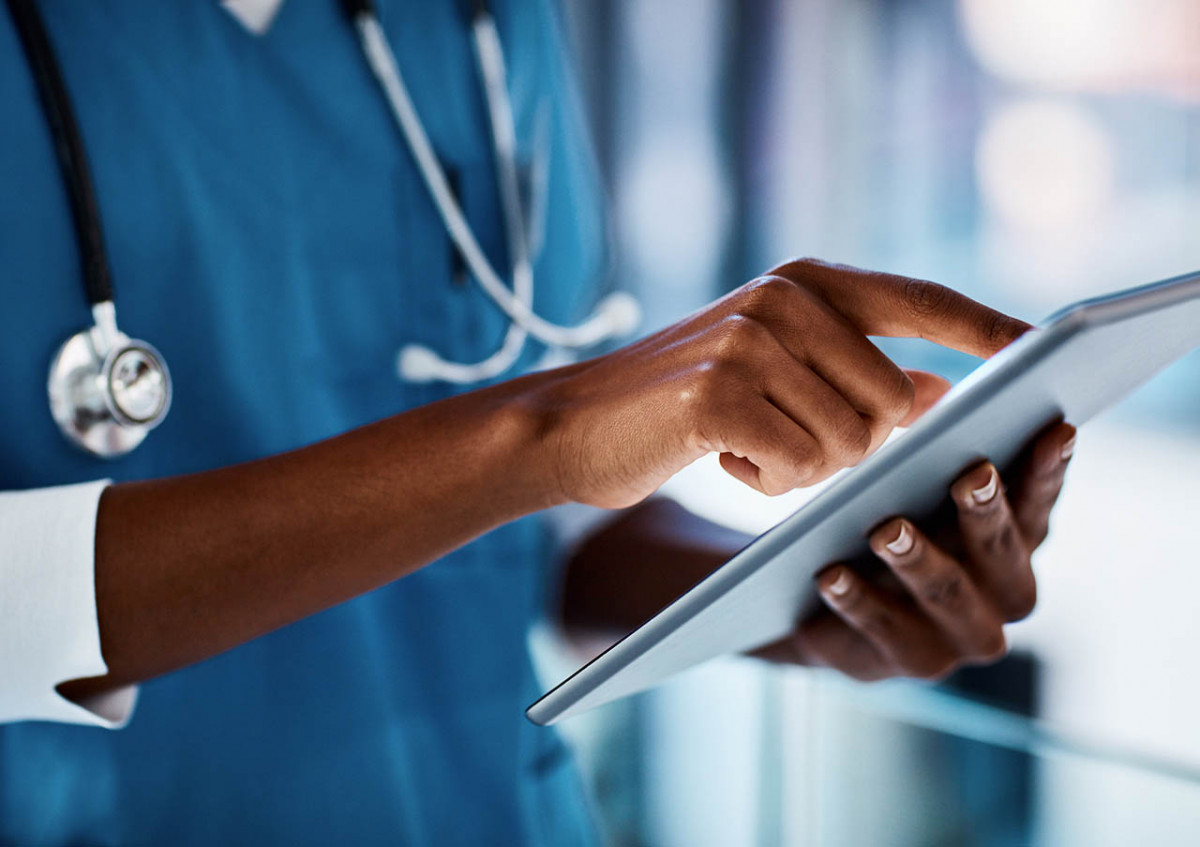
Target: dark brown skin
{"points": [[778, 377]]}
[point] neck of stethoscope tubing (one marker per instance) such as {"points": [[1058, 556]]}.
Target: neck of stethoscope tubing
{"points": [[599, 327], [105, 335]]}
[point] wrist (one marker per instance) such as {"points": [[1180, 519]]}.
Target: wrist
{"points": [[526, 426], [558, 408]]}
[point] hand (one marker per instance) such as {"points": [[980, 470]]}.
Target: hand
{"points": [[946, 601], [778, 377]]}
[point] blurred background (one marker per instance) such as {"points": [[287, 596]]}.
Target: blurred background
{"points": [[1029, 153]]}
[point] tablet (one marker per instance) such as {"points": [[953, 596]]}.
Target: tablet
{"points": [[1082, 360]]}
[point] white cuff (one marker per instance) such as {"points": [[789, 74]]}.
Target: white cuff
{"points": [[48, 627]]}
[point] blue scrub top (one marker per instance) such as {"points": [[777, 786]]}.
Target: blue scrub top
{"points": [[269, 233]]}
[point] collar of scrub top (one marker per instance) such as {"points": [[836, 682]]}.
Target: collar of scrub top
{"points": [[255, 15]]}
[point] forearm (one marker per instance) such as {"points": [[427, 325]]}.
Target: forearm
{"points": [[633, 567], [189, 566]]}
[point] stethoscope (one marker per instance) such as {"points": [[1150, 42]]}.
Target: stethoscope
{"points": [[108, 391]]}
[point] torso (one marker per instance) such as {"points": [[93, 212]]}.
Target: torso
{"points": [[270, 236]]}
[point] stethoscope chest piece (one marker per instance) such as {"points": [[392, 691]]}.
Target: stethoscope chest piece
{"points": [[107, 391]]}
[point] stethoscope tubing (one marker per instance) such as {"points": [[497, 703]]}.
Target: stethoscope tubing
{"points": [[599, 327], [417, 363], [68, 148]]}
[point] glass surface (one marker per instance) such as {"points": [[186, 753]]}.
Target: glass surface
{"points": [[906, 766]]}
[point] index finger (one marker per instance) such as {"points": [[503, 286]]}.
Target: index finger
{"points": [[901, 307]]}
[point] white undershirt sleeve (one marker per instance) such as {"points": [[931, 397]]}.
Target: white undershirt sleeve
{"points": [[48, 626]]}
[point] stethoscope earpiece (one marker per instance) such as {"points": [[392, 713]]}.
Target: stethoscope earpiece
{"points": [[622, 312], [417, 363]]}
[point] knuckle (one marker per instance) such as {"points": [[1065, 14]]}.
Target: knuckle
{"points": [[767, 295], [705, 396], [946, 667], [902, 395], [809, 463], [853, 438], [1022, 603], [1044, 493], [775, 287], [692, 395], [799, 267], [1046, 487], [946, 591], [705, 383], [873, 619], [823, 471], [923, 298], [719, 374], [931, 666], [736, 335], [773, 486], [993, 647], [804, 452], [1004, 543], [1001, 329], [779, 479], [895, 396]]}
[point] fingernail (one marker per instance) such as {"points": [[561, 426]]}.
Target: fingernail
{"points": [[840, 586], [903, 542], [986, 492], [1068, 449]]}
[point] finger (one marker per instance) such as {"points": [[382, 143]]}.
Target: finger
{"points": [[927, 390], [826, 641], [910, 642], [897, 306], [761, 446], [1042, 481], [942, 589], [813, 404], [816, 335], [871, 383], [993, 543]]}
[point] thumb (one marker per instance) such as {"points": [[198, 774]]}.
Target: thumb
{"points": [[929, 389]]}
